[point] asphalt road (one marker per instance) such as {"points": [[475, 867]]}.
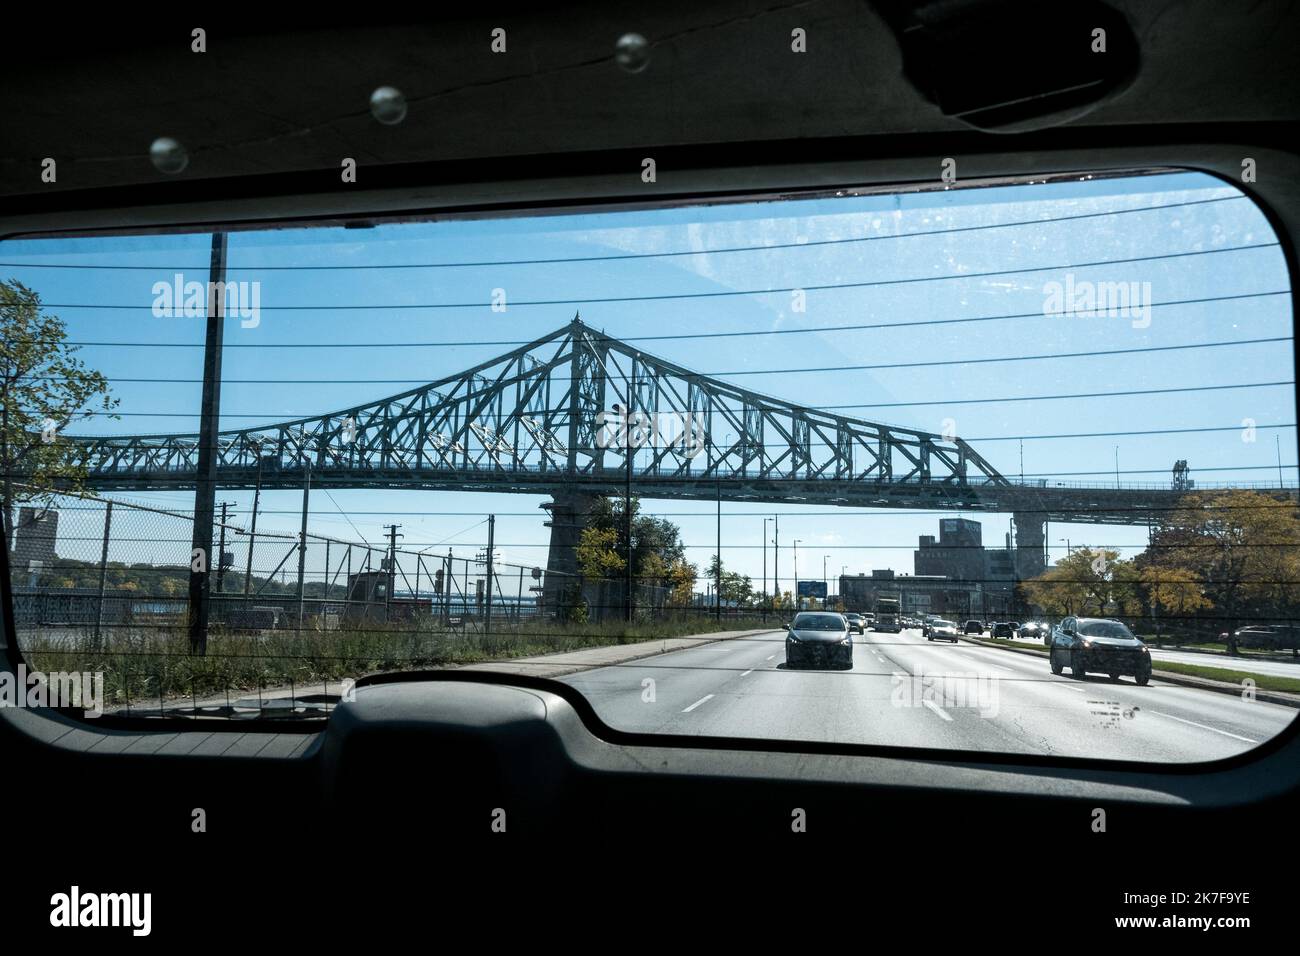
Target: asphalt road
{"points": [[906, 691]]}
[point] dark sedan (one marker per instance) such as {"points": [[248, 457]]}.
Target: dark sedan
{"points": [[819, 639], [1101, 645]]}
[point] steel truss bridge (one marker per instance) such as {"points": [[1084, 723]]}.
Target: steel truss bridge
{"points": [[544, 419]]}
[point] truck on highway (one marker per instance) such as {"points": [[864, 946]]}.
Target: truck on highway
{"points": [[887, 612]]}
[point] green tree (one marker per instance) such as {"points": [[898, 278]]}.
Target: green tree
{"points": [[658, 554], [1171, 591], [44, 388], [1086, 582], [598, 555], [735, 588]]}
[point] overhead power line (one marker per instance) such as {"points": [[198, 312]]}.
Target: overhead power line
{"points": [[615, 257], [714, 294]]}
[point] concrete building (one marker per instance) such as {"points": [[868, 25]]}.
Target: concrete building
{"points": [[956, 577], [926, 594]]}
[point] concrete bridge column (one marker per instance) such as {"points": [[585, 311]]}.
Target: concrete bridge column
{"points": [[569, 515], [1030, 559]]}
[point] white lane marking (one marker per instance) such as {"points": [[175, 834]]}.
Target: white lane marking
{"points": [[770, 656], [748, 672], [996, 667], [937, 709], [697, 703], [1202, 726], [1077, 690]]}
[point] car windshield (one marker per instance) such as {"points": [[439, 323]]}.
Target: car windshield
{"points": [[818, 622], [627, 441], [1104, 629]]}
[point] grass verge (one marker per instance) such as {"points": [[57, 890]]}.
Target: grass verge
{"points": [[146, 664]]}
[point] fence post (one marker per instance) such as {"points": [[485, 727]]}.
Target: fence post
{"points": [[103, 571]]}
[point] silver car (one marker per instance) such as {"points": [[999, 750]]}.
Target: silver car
{"points": [[941, 630]]}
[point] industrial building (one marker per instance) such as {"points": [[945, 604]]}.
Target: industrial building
{"points": [[956, 577]]}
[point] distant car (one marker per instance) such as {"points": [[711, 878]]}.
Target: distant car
{"points": [[819, 639], [1003, 629], [1031, 629], [974, 627], [856, 622], [941, 630], [1098, 644], [1265, 636]]}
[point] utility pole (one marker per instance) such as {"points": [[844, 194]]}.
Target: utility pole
{"points": [[1277, 440], [252, 528], [205, 484], [103, 571], [392, 565], [302, 543], [492, 524], [221, 548], [447, 582], [719, 487]]}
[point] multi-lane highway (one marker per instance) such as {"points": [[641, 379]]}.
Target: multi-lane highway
{"points": [[906, 691]]}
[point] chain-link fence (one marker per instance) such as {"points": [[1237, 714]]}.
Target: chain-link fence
{"points": [[86, 565]]}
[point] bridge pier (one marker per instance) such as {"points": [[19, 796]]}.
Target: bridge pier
{"points": [[569, 515], [1030, 535]]}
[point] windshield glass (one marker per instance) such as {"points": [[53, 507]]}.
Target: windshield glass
{"points": [[1104, 629], [818, 622], [645, 437]]}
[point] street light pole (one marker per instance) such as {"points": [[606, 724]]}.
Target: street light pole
{"points": [[627, 510], [765, 521], [776, 555], [798, 602]]}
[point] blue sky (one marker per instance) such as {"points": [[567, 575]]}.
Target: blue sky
{"points": [[862, 540]]}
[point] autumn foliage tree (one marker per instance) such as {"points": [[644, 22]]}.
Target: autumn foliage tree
{"points": [[44, 388], [1243, 549]]}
